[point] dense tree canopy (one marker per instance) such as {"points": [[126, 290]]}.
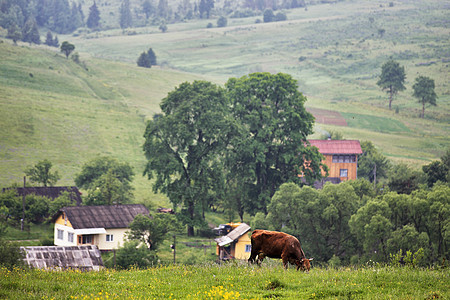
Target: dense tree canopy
{"points": [[231, 147]]}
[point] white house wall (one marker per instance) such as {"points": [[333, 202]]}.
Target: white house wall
{"points": [[119, 237], [65, 240]]}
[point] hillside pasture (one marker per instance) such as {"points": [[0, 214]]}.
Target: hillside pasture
{"points": [[334, 50]]}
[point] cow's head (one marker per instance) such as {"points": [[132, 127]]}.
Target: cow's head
{"points": [[304, 264]]}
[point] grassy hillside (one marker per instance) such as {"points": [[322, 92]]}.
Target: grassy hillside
{"points": [[52, 108], [334, 50], [229, 281]]}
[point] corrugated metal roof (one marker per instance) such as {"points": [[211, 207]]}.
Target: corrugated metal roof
{"points": [[337, 146], [57, 257], [104, 216], [233, 235]]}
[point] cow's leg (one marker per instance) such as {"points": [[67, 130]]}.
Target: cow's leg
{"points": [[285, 260], [253, 255], [261, 257]]}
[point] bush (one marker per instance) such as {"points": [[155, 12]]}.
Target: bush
{"points": [[11, 255], [222, 22], [132, 254]]}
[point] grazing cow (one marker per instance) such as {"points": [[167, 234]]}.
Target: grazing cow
{"points": [[276, 244]]}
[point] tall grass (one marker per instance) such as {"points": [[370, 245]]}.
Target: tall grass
{"points": [[228, 281]]}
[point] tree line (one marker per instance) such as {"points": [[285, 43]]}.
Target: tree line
{"points": [[23, 18]]}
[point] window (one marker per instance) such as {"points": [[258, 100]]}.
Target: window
{"points": [[343, 173], [344, 158], [248, 248], [87, 239], [70, 237], [60, 234], [109, 238]]}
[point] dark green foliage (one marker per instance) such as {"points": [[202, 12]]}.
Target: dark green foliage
{"points": [[144, 60], [134, 255], [163, 26], [14, 33], [36, 208], [50, 41], [147, 8], [93, 20], [268, 16], [41, 173], [436, 171], [222, 22], [183, 145], [163, 10], [10, 254], [273, 126], [126, 19], [67, 48], [392, 79], [153, 230], [205, 8], [30, 32], [372, 165], [107, 180], [424, 92], [403, 180], [147, 59], [280, 16]]}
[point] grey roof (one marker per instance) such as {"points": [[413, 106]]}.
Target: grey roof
{"points": [[51, 192], [233, 235], [104, 216], [57, 257]]}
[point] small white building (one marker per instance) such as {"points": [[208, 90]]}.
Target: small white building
{"points": [[103, 226]]}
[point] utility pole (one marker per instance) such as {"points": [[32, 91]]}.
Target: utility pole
{"points": [[22, 221], [174, 249]]}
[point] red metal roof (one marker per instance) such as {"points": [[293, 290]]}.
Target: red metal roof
{"points": [[337, 146]]}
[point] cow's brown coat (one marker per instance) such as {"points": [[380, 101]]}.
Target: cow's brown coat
{"points": [[275, 244]]}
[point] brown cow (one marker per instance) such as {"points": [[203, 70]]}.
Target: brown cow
{"points": [[276, 244]]}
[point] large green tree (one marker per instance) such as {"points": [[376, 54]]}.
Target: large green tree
{"points": [[270, 148], [184, 146], [41, 173], [424, 92], [392, 79]]}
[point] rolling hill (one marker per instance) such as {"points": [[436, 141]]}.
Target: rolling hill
{"points": [[52, 108]]}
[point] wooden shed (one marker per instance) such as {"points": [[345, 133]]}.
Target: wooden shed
{"points": [[235, 244], [341, 157]]}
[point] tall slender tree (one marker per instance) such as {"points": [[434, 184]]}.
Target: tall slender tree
{"points": [[424, 92], [392, 79], [126, 19], [93, 20]]}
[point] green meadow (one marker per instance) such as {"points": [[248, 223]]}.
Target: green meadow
{"points": [[228, 281]]}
